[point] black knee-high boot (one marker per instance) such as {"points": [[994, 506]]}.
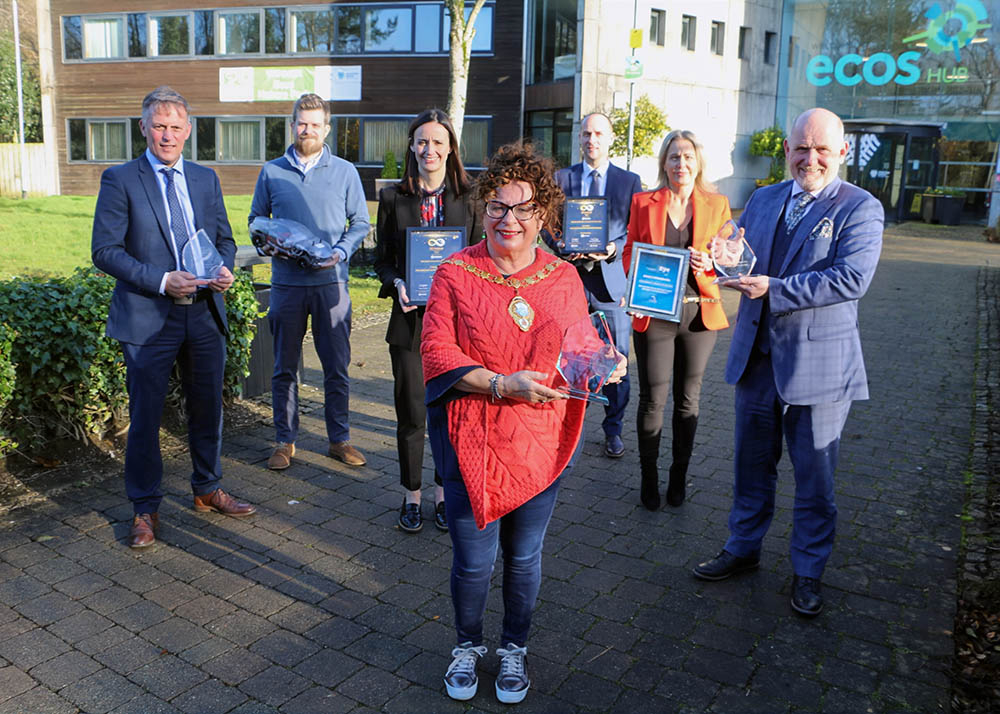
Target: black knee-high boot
{"points": [[684, 429], [649, 452]]}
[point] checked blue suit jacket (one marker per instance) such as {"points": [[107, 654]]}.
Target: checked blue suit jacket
{"points": [[813, 296], [131, 242], [620, 185]]}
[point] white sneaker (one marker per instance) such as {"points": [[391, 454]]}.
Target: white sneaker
{"points": [[512, 680], [461, 680]]}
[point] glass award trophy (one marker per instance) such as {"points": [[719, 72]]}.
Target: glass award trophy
{"points": [[587, 358], [200, 258], [732, 256]]}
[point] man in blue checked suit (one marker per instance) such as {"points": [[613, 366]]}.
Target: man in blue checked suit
{"points": [[602, 274], [147, 210], [796, 356]]}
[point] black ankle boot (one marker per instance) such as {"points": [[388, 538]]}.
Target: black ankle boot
{"points": [[677, 486]]}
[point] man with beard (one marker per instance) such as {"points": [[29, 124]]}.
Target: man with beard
{"points": [[322, 192]]}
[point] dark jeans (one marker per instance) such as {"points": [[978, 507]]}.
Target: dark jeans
{"points": [[190, 337], [617, 394], [330, 308], [520, 534]]}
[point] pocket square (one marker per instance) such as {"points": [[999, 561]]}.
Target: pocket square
{"points": [[823, 229]]}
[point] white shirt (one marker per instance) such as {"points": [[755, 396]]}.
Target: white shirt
{"points": [[305, 165], [181, 189]]}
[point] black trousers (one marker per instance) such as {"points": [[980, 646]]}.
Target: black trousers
{"points": [[677, 350], [411, 415]]}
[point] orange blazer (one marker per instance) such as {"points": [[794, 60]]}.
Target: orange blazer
{"points": [[648, 224]]}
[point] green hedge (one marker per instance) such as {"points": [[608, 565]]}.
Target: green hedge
{"points": [[7, 381], [70, 377]]}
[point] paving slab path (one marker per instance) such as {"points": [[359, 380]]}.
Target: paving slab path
{"points": [[320, 604]]}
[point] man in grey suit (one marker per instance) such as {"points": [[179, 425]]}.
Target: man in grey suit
{"points": [[147, 210], [796, 353]]}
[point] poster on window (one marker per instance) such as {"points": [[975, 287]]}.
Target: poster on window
{"points": [[286, 84]]}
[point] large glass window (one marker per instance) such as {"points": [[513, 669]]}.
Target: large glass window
{"points": [[381, 136], [428, 30], [483, 41], [275, 139], [77, 135], [718, 39], [204, 32], [240, 140], [169, 35], [657, 27], [107, 140], [553, 41], [137, 35], [552, 133], [345, 138], [475, 143], [389, 30], [72, 37], [689, 30], [239, 32], [103, 37], [315, 30], [204, 133], [274, 30], [348, 30]]}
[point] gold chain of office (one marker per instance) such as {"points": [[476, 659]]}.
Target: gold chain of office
{"points": [[519, 310]]}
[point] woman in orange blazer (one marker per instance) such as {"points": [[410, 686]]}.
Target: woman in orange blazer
{"points": [[684, 211]]}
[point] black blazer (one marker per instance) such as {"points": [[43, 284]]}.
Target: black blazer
{"points": [[397, 212]]}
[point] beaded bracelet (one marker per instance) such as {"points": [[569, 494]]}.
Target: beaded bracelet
{"points": [[495, 386]]}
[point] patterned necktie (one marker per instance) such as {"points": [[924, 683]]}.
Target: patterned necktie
{"points": [[178, 226], [802, 201], [595, 186]]}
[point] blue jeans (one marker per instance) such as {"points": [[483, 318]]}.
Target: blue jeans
{"points": [[330, 308], [520, 534]]}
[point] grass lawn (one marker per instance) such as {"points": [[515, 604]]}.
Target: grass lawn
{"points": [[51, 236]]}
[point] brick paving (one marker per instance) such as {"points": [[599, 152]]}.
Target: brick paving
{"points": [[320, 604]]}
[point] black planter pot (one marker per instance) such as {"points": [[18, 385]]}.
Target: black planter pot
{"points": [[941, 208]]}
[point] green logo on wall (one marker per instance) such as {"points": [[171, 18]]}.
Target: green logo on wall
{"points": [[941, 36]]}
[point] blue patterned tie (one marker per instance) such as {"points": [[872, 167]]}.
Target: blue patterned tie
{"points": [[178, 226], [798, 210], [595, 188]]}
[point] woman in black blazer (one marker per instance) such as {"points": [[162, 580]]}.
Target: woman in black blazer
{"points": [[434, 191]]}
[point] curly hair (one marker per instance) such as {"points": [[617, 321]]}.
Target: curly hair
{"points": [[520, 162]]}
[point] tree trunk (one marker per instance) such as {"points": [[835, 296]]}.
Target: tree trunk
{"points": [[459, 54]]}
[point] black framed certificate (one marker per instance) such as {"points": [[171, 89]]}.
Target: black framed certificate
{"points": [[425, 249], [585, 225], [656, 280]]}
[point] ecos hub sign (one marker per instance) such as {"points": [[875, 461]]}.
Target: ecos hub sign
{"points": [[946, 32]]}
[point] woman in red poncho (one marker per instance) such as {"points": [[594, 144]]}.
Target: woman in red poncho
{"points": [[500, 431]]}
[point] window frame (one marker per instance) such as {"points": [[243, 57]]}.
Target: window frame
{"points": [[239, 118], [219, 34], [689, 32], [659, 38], [717, 39], [743, 44], [84, 17], [152, 37]]}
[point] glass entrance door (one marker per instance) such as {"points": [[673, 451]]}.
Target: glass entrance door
{"points": [[876, 164]]}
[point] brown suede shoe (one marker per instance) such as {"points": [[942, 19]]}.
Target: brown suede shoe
{"points": [[343, 451], [221, 502], [281, 459], [143, 531]]}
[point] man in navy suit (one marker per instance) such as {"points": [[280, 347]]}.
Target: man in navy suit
{"points": [[796, 356], [147, 210], [602, 274]]}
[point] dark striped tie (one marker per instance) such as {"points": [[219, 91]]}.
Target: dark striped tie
{"points": [[178, 226]]}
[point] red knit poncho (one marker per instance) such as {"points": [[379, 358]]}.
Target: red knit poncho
{"points": [[508, 451]]}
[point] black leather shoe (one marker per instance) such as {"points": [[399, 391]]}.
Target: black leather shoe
{"points": [[411, 519], [440, 517], [725, 565], [806, 598], [614, 447]]}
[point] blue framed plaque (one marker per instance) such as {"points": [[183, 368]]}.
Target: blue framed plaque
{"points": [[425, 249], [585, 225], [656, 280]]}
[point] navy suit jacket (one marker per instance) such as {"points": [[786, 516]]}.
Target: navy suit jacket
{"points": [[131, 242], [619, 186], [813, 296]]}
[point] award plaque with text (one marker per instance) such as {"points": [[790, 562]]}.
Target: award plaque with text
{"points": [[656, 281], [585, 225], [425, 249]]}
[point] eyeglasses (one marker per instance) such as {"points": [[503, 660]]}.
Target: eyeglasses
{"points": [[521, 211]]}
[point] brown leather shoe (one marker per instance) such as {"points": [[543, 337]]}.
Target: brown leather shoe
{"points": [[343, 451], [143, 531], [281, 459], [221, 502]]}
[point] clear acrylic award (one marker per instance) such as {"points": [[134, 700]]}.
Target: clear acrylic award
{"points": [[732, 256], [200, 258], [587, 358]]}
